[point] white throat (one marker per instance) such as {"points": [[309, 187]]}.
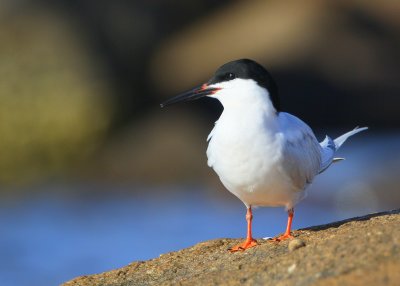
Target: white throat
{"points": [[244, 96]]}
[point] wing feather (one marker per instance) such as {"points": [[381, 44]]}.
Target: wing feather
{"points": [[301, 151]]}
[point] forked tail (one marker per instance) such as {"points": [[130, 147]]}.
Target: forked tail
{"points": [[341, 139], [329, 147]]}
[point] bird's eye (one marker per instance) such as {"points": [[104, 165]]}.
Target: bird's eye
{"points": [[230, 76]]}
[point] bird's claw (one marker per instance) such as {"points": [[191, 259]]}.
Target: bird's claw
{"points": [[243, 246], [282, 237]]}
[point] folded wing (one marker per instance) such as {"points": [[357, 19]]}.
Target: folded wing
{"points": [[301, 151]]}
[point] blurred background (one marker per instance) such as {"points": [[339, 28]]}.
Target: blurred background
{"points": [[94, 175]]}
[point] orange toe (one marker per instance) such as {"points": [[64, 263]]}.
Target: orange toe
{"points": [[243, 246], [282, 237]]}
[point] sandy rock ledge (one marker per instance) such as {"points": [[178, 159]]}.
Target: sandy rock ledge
{"points": [[358, 251]]}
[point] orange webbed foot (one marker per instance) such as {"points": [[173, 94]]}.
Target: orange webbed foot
{"points": [[287, 234], [243, 246], [282, 237]]}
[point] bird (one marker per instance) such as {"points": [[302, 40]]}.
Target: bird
{"points": [[264, 156]]}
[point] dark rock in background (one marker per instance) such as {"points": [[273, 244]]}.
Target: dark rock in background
{"points": [[79, 76]]}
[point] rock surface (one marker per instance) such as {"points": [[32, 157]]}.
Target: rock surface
{"points": [[358, 251]]}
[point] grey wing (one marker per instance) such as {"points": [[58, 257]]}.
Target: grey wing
{"points": [[301, 154]]}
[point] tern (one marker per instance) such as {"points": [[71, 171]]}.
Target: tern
{"points": [[262, 155]]}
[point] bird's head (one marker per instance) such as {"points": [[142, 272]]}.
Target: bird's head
{"points": [[234, 83]]}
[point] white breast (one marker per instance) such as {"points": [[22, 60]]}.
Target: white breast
{"points": [[247, 161], [255, 161]]}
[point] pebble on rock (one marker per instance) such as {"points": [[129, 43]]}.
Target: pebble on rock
{"points": [[296, 244]]}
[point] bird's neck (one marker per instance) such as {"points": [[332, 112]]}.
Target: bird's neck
{"points": [[250, 117], [259, 108], [248, 100]]}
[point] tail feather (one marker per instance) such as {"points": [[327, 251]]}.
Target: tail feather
{"points": [[341, 139], [329, 148]]}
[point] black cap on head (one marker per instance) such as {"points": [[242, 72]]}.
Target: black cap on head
{"points": [[248, 69]]}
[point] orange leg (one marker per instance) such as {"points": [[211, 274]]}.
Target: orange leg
{"points": [[250, 241], [287, 234]]}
